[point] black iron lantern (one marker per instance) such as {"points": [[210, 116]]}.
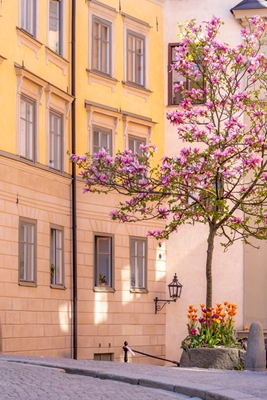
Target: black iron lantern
{"points": [[175, 290]]}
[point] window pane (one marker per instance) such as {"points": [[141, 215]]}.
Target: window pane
{"points": [[101, 139], [55, 160], [28, 16], [26, 251], [56, 262], [104, 245], [104, 141], [135, 143], [27, 128], [54, 23], [101, 45], [138, 263], [135, 59], [103, 260]]}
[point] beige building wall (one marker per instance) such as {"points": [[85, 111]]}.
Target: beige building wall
{"points": [[36, 320], [239, 275]]}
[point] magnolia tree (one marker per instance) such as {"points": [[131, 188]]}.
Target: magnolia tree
{"points": [[219, 178]]}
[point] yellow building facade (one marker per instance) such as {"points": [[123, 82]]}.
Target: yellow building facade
{"points": [[77, 75]]}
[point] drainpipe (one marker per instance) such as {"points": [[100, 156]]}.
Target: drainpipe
{"points": [[73, 187]]}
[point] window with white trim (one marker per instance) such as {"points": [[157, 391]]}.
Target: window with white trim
{"points": [[28, 16], [138, 263], [55, 140], [101, 45], [134, 144], [135, 58], [27, 250], [102, 139], [56, 256], [27, 128], [103, 261], [55, 33]]}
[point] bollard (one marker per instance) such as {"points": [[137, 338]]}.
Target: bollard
{"points": [[125, 349], [255, 356]]}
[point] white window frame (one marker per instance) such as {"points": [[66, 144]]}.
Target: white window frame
{"points": [[139, 29], [137, 126], [28, 126], [107, 14], [105, 270], [58, 102], [101, 42], [136, 142], [27, 251], [101, 132], [132, 57], [56, 256], [104, 117], [61, 27], [138, 264], [28, 16], [55, 140], [30, 86]]}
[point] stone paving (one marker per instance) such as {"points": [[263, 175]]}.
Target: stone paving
{"points": [[29, 378]]}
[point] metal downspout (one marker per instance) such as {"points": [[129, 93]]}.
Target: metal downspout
{"points": [[73, 150]]}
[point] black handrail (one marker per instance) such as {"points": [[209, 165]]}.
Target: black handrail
{"points": [[126, 348]]}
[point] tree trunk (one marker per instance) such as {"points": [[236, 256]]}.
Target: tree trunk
{"points": [[210, 249]]}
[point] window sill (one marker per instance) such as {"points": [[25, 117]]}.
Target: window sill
{"points": [[60, 287], [104, 289], [138, 290], [29, 41], [26, 283], [102, 79], [136, 90], [56, 59]]}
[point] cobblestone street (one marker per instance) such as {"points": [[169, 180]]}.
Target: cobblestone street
{"points": [[22, 381]]}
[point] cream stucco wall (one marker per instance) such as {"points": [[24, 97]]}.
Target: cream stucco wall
{"points": [[186, 250]]}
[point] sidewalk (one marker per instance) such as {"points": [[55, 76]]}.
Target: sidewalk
{"points": [[204, 384]]}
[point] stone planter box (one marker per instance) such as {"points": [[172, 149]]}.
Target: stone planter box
{"points": [[219, 358]]}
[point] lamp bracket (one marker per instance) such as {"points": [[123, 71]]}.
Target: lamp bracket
{"points": [[158, 307]]}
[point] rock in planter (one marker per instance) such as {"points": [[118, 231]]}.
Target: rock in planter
{"points": [[219, 358]]}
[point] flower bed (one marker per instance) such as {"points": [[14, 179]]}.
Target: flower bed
{"points": [[211, 342]]}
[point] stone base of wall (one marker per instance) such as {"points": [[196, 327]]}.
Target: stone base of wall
{"points": [[219, 358]]}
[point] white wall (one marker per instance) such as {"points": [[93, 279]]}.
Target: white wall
{"points": [[187, 249]]}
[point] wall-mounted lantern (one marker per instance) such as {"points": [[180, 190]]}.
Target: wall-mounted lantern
{"points": [[175, 290]]}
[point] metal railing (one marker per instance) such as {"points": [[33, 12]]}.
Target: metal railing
{"points": [[126, 348]]}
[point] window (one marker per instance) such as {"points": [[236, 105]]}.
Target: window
{"points": [[103, 261], [27, 128], [101, 46], [28, 16], [138, 250], [175, 97], [135, 58], [104, 356], [55, 140], [27, 250], [102, 139], [134, 144], [55, 26], [56, 257]]}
